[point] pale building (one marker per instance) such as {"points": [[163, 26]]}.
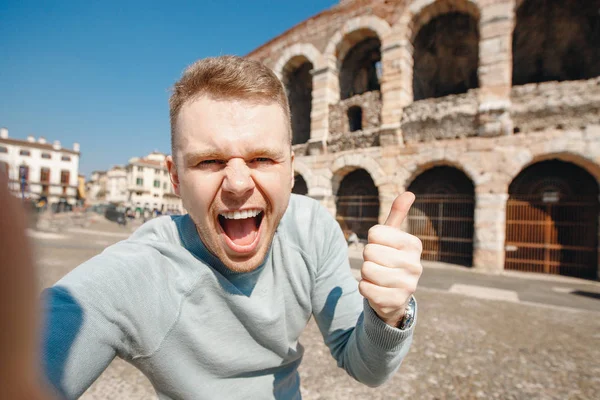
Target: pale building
{"points": [[149, 185], [116, 185], [96, 187], [48, 169]]}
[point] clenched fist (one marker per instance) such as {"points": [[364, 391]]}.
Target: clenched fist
{"points": [[392, 264]]}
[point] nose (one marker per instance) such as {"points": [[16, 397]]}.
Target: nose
{"points": [[238, 179]]}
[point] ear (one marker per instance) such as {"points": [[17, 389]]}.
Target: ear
{"points": [[173, 174], [292, 166]]}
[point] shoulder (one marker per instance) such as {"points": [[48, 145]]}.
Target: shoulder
{"points": [[304, 217], [143, 262], [308, 225]]}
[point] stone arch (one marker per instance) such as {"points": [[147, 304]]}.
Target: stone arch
{"points": [[424, 11], [357, 202], [442, 215], [414, 17], [552, 218], [349, 162], [573, 157], [302, 169], [410, 174], [294, 53], [352, 32], [300, 185]]}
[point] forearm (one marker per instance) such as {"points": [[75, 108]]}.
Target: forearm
{"points": [[374, 351]]}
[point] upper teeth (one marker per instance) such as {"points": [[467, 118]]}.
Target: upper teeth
{"points": [[241, 214]]}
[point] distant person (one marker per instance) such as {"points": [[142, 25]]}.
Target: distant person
{"points": [[211, 304]]}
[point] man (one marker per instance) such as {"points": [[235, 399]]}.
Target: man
{"points": [[211, 304]]}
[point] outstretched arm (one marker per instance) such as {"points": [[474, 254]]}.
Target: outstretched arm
{"points": [[363, 333], [20, 377]]}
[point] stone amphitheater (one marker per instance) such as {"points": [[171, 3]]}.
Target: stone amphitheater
{"points": [[488, 110]]}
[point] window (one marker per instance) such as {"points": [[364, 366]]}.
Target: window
{"points": [[140, 169], [355, 118], [45, 179], [139, 182], [65, 158], [46, 156], [64, 180], [156, 183], [25, 153], [165, 186], [165, 172], [157, 171], [3, 149], [45, 175], [155, 195]]}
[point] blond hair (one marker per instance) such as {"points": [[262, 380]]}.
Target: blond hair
{"points": [[227, 78]]}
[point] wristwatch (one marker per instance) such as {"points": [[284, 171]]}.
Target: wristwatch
{"points": [[409, 315]]}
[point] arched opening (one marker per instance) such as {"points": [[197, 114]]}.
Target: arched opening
{"points": [[298, 84], [446, 56], [556, 40], [355, 116], [442, 215], [361, 68], [357, 203], [552, 220], [300, 186]]}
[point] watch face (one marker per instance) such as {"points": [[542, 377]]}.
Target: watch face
{"points": [[409, 314]]}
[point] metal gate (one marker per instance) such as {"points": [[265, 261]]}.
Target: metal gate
{"points": [[552, 235], [357, 214], [444, 223]]}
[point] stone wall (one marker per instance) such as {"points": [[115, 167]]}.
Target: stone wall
{"points": [[490, 133], [448, 117], [491, 164], [369, 102], [569, 104]]}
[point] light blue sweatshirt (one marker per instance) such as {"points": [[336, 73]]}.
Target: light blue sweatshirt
{"points": [[162, 302]]}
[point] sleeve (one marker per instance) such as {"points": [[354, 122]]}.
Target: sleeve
{"points": [[111, 305], [77, 345], [363, 345]]}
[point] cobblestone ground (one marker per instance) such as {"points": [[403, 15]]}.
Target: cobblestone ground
{"points": [[464, 348]]}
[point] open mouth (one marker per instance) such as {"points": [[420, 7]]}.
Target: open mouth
{"points": [[241, 228]]}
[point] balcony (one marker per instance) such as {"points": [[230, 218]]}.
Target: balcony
{"points": [[562, 105], [346, 134], [447, 117]]}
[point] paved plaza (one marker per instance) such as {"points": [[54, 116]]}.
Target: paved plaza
{"points": [[478, 336]]}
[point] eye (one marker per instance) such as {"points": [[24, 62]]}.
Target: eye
{"points": [[262, 160], [209, 163]]}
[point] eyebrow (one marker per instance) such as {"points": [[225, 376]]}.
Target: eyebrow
{"points": [[213, 154]]}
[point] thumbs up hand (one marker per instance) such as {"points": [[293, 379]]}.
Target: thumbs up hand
{"points": [[392, 264]]}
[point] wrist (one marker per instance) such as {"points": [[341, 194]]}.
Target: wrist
{"points": [[408, 317]]}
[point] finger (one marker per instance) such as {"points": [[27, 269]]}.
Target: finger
{"points": [[392, 258], [382, 299], [400, 208], [392, 237], [388, 277]]}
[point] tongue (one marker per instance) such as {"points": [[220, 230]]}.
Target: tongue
{"points": [[241, 231]]}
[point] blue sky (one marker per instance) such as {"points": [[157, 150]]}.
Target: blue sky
{"points": [[99, 72]]}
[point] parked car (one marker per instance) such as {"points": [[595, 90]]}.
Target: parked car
{"points": [[116, 214]]}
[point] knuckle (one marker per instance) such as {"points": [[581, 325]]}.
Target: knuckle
{"points": [[365, 269], [369, 251], [361, 288], [373, 233], [417, 244]]}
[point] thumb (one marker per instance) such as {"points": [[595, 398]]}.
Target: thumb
{"points": [[400, 208]]}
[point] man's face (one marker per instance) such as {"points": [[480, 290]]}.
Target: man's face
{"points": [[234, 172]]}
